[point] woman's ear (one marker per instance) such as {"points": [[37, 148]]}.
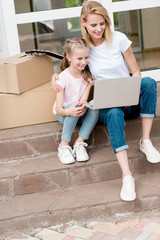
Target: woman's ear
{"points": [[82, 22]]}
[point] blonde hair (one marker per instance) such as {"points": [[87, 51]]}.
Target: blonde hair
{"points": [[70, 45], [94, 7]]}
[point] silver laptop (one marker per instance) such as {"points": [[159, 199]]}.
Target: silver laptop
{"points": [[115, 92]]}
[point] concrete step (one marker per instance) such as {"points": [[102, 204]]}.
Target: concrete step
{"points": [[41, 174], [77, 203], [43, 139]]}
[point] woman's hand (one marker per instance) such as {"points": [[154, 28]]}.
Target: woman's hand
{"points": [[76, 110], [55, 86]]}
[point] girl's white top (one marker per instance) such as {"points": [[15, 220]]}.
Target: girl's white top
{"points": [[108, 62], [73, 88]]}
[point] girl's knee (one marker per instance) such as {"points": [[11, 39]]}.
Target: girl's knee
{"points": [[70, 104], [94, 111]]}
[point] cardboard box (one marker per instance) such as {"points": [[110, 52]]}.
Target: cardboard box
{"points": [[32, 107], [21, 72]]}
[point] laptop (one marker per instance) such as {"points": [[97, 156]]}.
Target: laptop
{"points": [[115, 92]]}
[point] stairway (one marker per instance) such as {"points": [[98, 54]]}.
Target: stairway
{"points": [[36, 190]]}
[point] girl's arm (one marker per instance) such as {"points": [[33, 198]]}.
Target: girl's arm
{"points": [[73, 111], [85, 95], [131, 61], [59, 103]]}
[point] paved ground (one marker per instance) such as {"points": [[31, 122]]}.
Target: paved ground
{"points": [[140, 226]]}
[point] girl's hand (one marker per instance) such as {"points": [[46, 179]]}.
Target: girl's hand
{"points": [[55, 86], [76, 110], [82, 102], [83, 109]]}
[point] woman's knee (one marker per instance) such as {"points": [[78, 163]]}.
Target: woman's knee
{"points": [[115, 113], [112, 115], [148, 83]]}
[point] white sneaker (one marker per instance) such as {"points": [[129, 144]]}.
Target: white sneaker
{"points": [[80, 152], [65, 154], [152, 155], [128, 189]]}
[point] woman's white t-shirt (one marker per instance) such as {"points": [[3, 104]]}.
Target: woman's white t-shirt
{"points": [[108, 62]]}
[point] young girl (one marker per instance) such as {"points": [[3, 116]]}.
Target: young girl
{"points": [[75, 80]]}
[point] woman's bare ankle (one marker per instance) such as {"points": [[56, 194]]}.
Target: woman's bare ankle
{"points": [[126, 174]]}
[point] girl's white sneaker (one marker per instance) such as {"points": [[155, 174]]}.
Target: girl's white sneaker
{"points": [[65, 154], [80, 152]]}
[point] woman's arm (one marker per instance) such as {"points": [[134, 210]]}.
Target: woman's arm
{"points": [[85, 95], [131, 61], [55, 86]]}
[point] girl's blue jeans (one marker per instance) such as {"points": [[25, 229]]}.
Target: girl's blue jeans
{"points": [[114, 118], [87, 121]]}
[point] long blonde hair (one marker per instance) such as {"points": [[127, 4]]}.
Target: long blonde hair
{"points": [[94, 7], [69, 46]]}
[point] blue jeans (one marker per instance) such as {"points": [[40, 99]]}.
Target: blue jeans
{"points": [[87, 121], [114, 118]]}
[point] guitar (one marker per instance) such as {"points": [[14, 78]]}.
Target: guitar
{"points": [[38, 52]]}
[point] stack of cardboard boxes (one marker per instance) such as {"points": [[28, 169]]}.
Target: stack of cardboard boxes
{"points": [[26, 94]]}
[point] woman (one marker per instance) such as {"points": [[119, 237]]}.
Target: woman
{"points": [[110, 56]]}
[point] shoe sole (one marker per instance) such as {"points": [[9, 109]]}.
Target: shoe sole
{"points": [[82, 160], [128, 199], [65, 162]]}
